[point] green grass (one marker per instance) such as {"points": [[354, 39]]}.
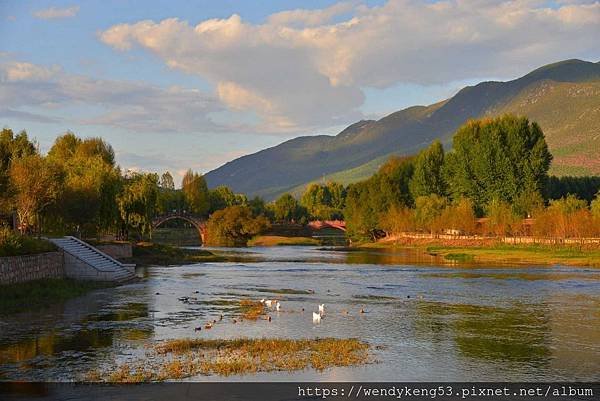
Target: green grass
{"points": [[17, 245], [275, 240], [521, 254], [37, 294], [150, 254], [459, 257]]}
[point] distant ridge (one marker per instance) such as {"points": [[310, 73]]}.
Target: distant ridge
{"points": [[563, 97]]}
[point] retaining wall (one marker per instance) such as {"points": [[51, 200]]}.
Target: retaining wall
{"points": [[18, 269], [117, 251]]}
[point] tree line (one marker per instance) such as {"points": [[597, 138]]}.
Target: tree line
{"points": [[494, 177], [77, 188], [496, 169]]}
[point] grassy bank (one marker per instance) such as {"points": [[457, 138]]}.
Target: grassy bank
{"points": [[490, 251], [521, 254], [149, 254], [35, 294], [15, 245], [178, 359], [275, 240]]}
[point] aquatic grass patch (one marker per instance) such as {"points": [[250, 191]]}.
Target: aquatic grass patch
{"points": [[182, 358], [276, 240], [251, 310], [459, 257], [36, 294]]}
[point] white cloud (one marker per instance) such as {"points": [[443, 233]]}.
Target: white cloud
{"points": [[15, 71], [300, 70], [132, 106], [57, 13]]}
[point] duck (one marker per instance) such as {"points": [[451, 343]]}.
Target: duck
{"points": [[208, 326], [269, 318], [220, 317], [316, 317], [234, 321], [322, 309], [362, 310], [198, 328]]}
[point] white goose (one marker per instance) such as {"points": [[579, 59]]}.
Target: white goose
{"points": [[269, 303], [322, 309], [316, 317], [277, 306]]}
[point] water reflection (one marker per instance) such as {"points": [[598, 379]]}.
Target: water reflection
{"points": [[428, 321], [516, 333]]}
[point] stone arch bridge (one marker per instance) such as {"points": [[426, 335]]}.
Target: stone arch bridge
{"points": [[199, 223]]}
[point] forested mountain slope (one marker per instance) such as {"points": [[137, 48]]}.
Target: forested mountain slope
{"points": [[563, 97]]}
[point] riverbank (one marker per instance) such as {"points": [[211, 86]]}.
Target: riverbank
{"points": [[150, 254], [491, 251], [276, 240], [33, 295]]}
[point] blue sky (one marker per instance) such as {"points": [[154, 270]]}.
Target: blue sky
{"points": [[178, 84]]}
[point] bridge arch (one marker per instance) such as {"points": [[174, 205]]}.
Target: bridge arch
{"points": [[198, 223]]}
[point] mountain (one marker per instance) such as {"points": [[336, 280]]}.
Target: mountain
{"points": [[564, 98]]}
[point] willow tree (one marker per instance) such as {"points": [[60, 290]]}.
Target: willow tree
{"points": [[138, 203], [92, 181]]}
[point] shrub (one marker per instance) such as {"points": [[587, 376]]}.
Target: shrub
{"points": [[12, 244]]}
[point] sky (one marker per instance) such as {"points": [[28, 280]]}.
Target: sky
{"points": [[175, 84]]}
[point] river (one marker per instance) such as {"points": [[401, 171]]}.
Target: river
{"points": [[425, 319]]}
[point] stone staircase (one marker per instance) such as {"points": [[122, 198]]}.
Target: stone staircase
{"points": [[85, 262]]}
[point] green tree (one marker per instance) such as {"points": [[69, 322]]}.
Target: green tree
{"points": [[286, 208], [337, 195], [497, 159], [138, 203], [166, 181], [428, 177], [234, 226], [12, 147], [258, 207], [92, 181], [428, 210], [36, 184], [368, 200], [196, 193], [221, 197], [595, 205]]}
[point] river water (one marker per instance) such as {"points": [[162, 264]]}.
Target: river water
{"points": [[424, 318]]}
